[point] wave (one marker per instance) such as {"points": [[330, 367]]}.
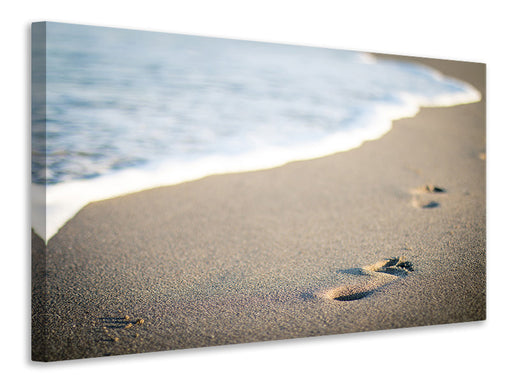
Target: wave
{"points": [[53, 205]]}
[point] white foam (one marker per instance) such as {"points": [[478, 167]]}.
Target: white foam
{"points": [[62, 201]]}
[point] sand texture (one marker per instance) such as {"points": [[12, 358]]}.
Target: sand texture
{"points": [[388, 235]]}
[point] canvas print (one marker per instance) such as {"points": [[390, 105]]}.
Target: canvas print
{"points": [[191, 191]]}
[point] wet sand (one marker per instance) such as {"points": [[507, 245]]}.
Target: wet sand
{"points": [[249, 257]]}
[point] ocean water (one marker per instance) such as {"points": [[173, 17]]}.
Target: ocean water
{"points": [[130, 110]]}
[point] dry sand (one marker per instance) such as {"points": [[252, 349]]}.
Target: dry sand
{"points": [[249, 257]]}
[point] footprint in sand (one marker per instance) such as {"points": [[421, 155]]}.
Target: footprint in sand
{"points": [[418, 196], [374, 276]]}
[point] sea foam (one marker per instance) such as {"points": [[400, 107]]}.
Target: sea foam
{"points": [[124, 111], [54, 205]]}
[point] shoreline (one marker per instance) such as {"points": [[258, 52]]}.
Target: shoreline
{"points": [[240, 257], [56, 204]]}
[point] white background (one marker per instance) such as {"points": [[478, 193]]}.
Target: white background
{"points": [[461, 30]]}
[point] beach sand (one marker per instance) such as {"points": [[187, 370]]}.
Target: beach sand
{"points": [[295, 251]]}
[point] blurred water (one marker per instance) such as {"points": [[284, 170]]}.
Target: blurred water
{"points": [[122, 110], [120, 98]]}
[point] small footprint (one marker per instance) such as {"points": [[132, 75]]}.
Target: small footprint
{"points": [[116, 328], [418, 199], [377, 275], [431, 188]]}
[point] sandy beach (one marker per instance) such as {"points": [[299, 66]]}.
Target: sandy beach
{"points": [[296, 251]]}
